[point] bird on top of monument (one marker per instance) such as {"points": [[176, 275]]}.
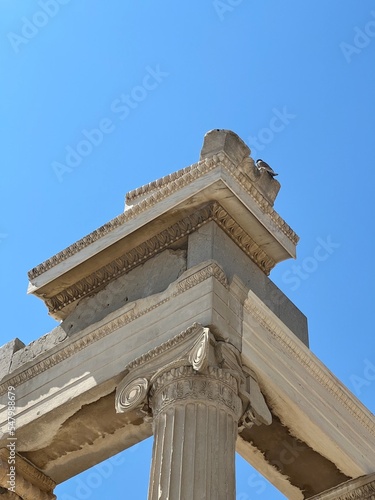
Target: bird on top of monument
{"points": [[262, 165]]}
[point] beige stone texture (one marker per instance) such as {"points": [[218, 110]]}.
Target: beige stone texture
{"points": [[179, 281], [362, 488], [21, 480]]}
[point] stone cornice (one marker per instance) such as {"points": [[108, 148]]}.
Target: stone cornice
{"points": [[187, 280], [176, 183], [29, 480], [242, 239], [159, 190], [304, 356], [147, 189], [138, 255], [362, 488], [236, 172], [122, 265], [266, 207]]}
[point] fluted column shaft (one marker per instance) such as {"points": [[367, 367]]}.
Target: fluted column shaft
{"points": [[195, 429], [195, 390]]}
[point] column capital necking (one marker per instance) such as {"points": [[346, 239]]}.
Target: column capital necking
{"points": [[183, 385]]}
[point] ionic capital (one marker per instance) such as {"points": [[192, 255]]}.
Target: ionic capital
{"points": [[192, 366]]}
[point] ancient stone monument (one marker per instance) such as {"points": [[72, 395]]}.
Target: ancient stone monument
{"points": [[170, 326]]}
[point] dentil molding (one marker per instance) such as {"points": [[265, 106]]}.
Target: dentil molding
{"points": [[157, 191], [149, 248]]}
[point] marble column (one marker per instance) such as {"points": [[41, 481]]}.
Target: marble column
{"points": [[197, 393], [195, 421]]}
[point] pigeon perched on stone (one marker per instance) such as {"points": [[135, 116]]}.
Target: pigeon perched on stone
{"points": [[262, 165]]}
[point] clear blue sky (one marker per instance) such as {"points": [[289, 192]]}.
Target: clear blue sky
{"points": [[189, 67]]}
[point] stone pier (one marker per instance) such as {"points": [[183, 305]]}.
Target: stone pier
{"points": [[170, 326]]}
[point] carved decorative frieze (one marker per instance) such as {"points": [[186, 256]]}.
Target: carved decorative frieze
{"points": [[184, 385], [193, 280], [242, 239], [125, 263], [224, 161], [138, 255], [151, 187], [157, 191], [176, 182]]}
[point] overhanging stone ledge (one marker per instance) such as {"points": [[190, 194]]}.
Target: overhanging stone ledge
{"points": [[216, 179], [61, 304]]}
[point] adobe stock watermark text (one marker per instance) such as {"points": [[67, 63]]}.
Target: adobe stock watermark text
{"points": [[31, 26]]}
